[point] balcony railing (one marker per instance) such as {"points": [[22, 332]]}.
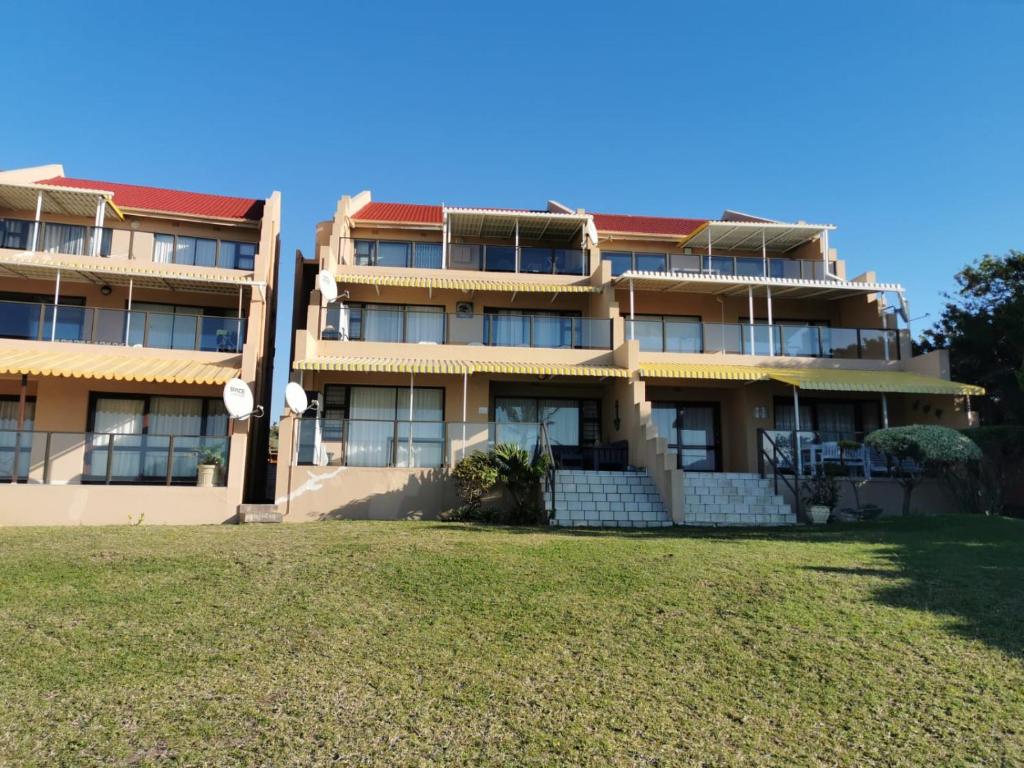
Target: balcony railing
{"points": [[54, 237], [810, 450], [97, 325], [692, 336], [62, 458], [422, 327], [385, 443], [508, 258], [730, 266]]}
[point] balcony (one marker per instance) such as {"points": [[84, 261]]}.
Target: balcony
{"points": [[696, 337], [488, 329], [53, 237], [716, 266], [120, 327], [477, 257], [61, 458]]}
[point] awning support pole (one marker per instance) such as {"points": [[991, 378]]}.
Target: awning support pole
{"points": [[796, 436], [412, 378], [37, 225], [885, 411], [771, 331], [128, 315], [764, 254], [632, 322], [97, 224], [444, 241], [22, 398], [56, 302], [517, 246], [238, 325], [750, 312], [465, 387]]}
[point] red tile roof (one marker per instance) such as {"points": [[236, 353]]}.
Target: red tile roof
{"points": [[169, 200], [646, 225], [407, 213]]}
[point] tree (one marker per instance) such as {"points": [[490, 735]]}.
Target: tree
{"points": [[982, 325], [913, 451]]}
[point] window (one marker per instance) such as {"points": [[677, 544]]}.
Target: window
{"points": [[15, 452], [366, 252], [385, 322], [570, 422], [64, 238], [833, 420], [533, 328], [131, 437], [237, 255], [169, 326], [381, 435], [393, 254], [650, 262], [386, 253], [15, 233], [621, 261], [203, 252], [500, 258]]}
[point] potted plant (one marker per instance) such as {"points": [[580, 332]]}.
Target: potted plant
{"points": [[821, 494], [207, 465]]}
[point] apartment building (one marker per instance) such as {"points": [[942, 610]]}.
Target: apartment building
{"points": [[124, 310], [674, 368]]}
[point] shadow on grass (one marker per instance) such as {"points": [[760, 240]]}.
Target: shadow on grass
{"points": [[967, 568]]}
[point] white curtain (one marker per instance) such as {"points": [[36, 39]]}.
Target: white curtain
{"points": [[163, 249], [836, 421], [551, 330], [509, 329], [183, 418], [382, 324], [427, 428], [648, 331], [64, 238], [371, 426], [9, 437], [425, 324], [114, 416]]}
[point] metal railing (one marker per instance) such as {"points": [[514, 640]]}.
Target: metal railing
{"points": [[748, 266], [489, 329], [805, 451], [78, 458], [771, 459], [548, 485], [783, 340], [98, 325]]}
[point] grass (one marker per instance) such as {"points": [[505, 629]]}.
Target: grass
{"points": [[895, 643]]}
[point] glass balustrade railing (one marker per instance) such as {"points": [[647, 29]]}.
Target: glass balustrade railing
{"points": [[783, 340], [415, 326], [136, 328]]}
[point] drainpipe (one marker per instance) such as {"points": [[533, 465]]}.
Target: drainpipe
{"points": [[128, 315]]}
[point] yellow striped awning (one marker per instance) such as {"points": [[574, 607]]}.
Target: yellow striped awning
{"points": [[830, 380], [703, 371], [822, 379], [442, 282], [397, 365], [382, 365], [128, 367]]}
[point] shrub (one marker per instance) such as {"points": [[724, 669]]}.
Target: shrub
{"points": [[990, 488], [932, 449], [208, 456], [474, 476], [521, 476]]}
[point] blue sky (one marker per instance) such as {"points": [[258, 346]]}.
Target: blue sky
{"points": [[900, 122]]}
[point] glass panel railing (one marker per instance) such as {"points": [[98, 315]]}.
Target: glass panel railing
{"points": [[783, 340], [92, 457], [747, 266], [427, 255], [100, 325], [55, 237]]}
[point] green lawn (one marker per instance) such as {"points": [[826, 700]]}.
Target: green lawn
{"points": [[896, 643]]}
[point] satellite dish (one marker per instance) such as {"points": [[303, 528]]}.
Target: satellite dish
{"points": [[238, 399], [904, 309], [295, 397], [328, 287], [591, 231]]}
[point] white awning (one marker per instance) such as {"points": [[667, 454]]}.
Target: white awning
{"points": [[501, 224], [747, 235], [63, 201], [738, 285]]}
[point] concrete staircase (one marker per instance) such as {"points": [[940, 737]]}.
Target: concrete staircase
{"points": [[733, 498], [592, 499]]}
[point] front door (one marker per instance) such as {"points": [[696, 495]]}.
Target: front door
{"points": [[693, 434]]}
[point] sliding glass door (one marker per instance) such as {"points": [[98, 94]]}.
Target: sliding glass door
{"points": [[693, 433]]}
